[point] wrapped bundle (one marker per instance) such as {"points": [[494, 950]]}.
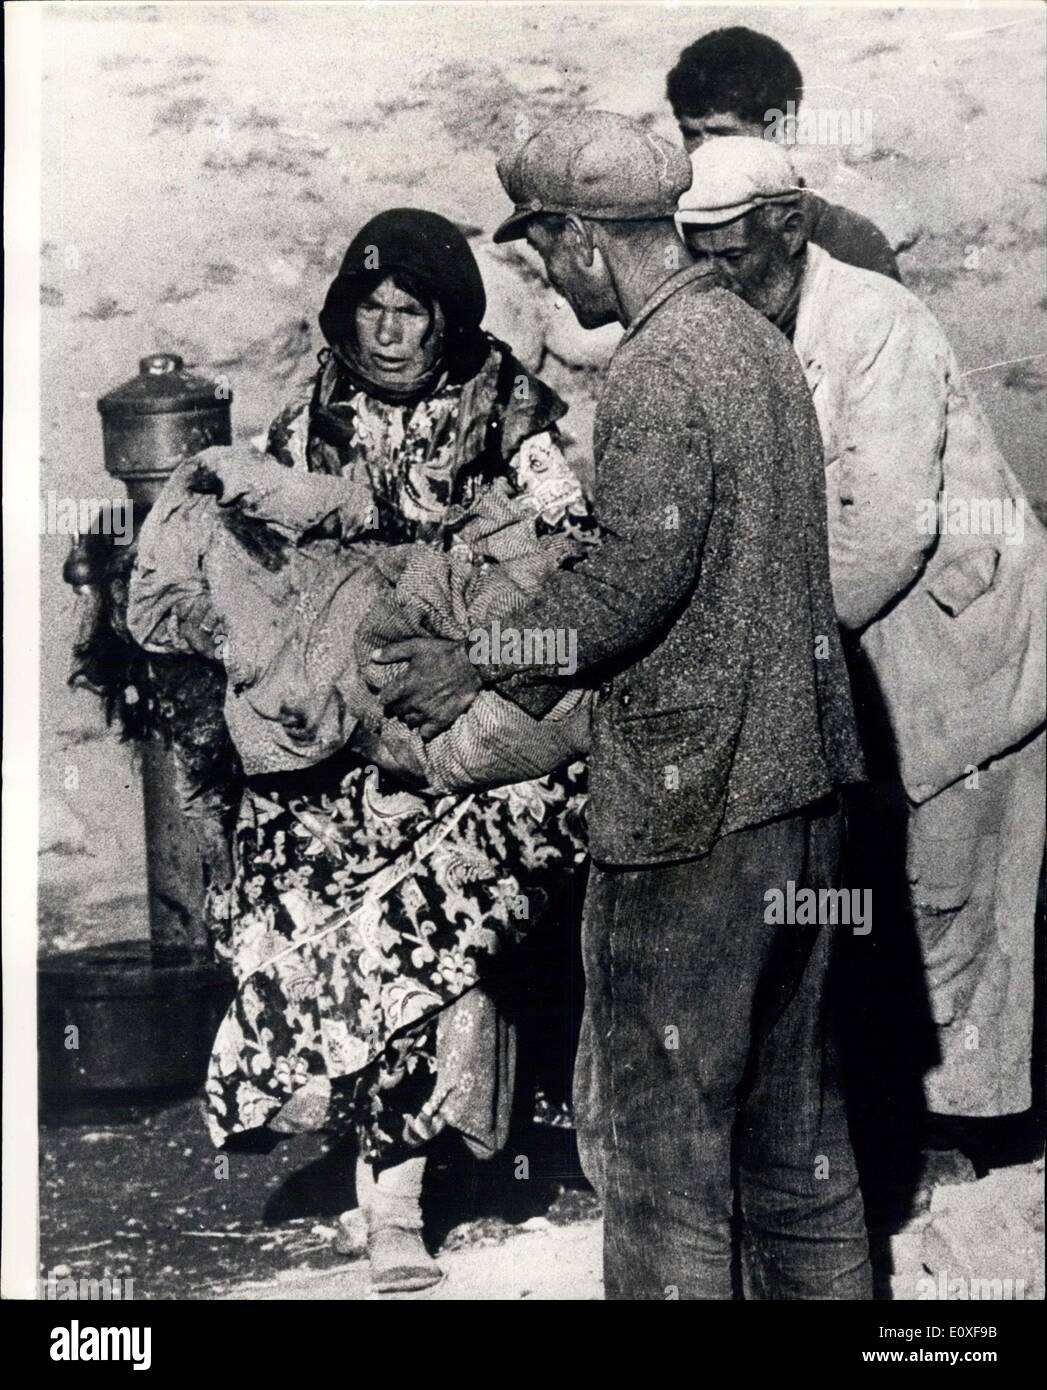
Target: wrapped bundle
{"points": [[271, 572]]}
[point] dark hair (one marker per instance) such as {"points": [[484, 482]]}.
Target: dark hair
{"points": [[734, 70], [553, 222], [621, 227], [430, 258]]}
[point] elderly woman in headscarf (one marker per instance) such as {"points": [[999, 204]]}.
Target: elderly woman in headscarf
{"points": [[365, 906]]}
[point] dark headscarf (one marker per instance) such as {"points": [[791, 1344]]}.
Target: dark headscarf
{"points": [[436, 256]]}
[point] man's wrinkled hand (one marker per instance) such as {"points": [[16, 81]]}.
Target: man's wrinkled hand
{"points": [[439, 685]]}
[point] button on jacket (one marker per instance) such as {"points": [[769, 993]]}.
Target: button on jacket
{"points": [[707, 611]]}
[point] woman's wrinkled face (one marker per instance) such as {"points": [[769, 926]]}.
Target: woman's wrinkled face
{"points": [[397, 340]]}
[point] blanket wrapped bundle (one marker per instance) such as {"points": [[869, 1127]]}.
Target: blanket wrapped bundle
{"points": [[271, 571]]}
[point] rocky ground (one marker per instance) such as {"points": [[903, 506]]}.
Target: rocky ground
{"points": [[205, 168]]}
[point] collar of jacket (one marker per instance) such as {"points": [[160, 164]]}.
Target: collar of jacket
{"points": [[666, 290], [817, 272]]}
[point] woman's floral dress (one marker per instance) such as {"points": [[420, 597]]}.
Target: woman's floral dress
{"points": [[347, 1022]]}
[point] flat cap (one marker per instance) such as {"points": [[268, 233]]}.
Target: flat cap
{"points": [[595, 164], [732, 175]]}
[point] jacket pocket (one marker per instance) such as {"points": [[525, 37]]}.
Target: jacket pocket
{"points": [[959, 664], [681, 725], [964, 579]]}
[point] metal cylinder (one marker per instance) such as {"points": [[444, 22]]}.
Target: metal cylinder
{"points": [[150, 425], [142, 1014], [157, 420], [138, 1026]]}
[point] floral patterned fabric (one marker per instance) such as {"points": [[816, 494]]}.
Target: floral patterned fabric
{"points": [[338, 1026], [409, 452]]}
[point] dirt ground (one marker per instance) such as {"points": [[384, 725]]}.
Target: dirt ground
{"points": [[205, 168], [142, 1196]]}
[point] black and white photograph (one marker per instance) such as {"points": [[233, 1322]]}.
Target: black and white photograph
{"points": [[525, 540]]}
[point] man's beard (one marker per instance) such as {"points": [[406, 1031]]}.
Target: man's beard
{"points": [[776, 295]]}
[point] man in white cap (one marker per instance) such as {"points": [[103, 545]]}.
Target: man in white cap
{"points": [[939, 570]]}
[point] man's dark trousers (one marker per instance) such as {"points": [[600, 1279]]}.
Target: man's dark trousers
{"points": [[704, 1064]]}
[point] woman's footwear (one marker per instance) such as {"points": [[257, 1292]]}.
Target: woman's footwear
{"points": [[400, 1262], [350, 1237], [391, 1204]]}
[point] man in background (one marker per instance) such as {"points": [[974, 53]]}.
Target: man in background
{"points": [[939, 571], [736, 82]]}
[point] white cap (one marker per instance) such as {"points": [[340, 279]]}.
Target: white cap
{"points": [[731, 175]]}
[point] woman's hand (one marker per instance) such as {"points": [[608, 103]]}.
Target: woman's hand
{"points": [[439, 685]]}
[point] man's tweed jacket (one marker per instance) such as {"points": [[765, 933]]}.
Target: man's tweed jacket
{"points": [[707, 612]]}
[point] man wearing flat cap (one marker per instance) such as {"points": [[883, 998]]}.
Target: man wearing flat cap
{"points": [[939, 570], [722, 730]]}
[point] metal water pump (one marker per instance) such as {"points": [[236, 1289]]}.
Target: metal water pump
{"points": [[145, 1012]]}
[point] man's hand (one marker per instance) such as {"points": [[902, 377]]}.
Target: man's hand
{"points": [[440, 684]]}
